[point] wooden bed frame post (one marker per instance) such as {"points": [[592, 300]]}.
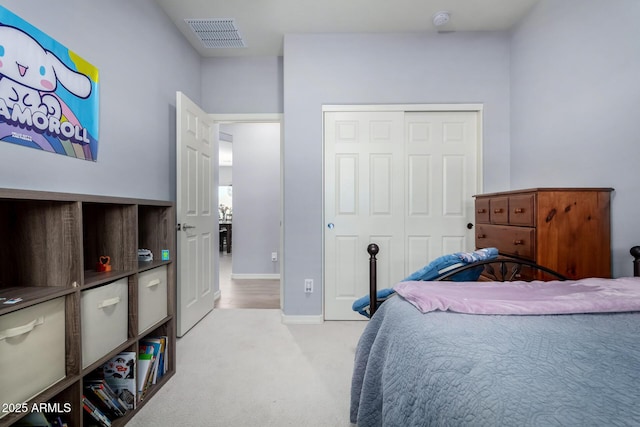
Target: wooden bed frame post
{"points": [[373, 250], [635, 253]]}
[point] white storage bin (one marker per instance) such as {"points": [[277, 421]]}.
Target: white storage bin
{"points": [[104, 315], [152, 297], [32, 351]]}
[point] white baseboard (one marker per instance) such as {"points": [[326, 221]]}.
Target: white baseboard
{"points": [[256, 276], [216, 295], [302, 320]]}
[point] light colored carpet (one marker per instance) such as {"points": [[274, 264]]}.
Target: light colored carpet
{"points": [[243, 367]]}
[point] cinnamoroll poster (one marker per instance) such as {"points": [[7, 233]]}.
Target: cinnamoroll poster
{"points": [[48, 94]]}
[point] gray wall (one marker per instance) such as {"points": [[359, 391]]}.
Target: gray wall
{"points": [[225, 175], [242, 85], [376, 69], [575, 74], [256, 197], [142, 60]]}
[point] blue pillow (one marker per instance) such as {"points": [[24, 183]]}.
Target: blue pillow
{"points": [[361, 305], [433, 270], [445, 263]]}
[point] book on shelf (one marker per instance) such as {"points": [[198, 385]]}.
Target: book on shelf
{"points": [[164, 361], [155, 346], [120, 374], [122, 406], [145, 367], [152, 362], [106, 396], [95, 413]]}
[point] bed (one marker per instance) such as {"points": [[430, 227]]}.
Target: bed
{"points": [[478, 360]]}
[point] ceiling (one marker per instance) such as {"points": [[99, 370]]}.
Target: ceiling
{"points": [[263, 23]]}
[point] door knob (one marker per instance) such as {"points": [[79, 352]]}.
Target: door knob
{"points": [[330, 225], [469, 226]]}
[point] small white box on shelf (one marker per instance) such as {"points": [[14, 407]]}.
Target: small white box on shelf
{"points": [[104, 318], [152, 297], [32, 350]]}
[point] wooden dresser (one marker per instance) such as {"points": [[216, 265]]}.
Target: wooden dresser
{"points": [[565, 229]]}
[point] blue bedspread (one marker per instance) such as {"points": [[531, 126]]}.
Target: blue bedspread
{"points": [[450, 369]]}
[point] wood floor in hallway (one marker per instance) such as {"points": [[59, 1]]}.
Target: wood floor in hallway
{"points": [[235, 293]]}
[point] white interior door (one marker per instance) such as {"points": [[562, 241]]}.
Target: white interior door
{"points": [[399, 179], [364, 200], [197, 214], [441, 179]]}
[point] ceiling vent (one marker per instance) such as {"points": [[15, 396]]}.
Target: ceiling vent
{"points": [[217, 33]]}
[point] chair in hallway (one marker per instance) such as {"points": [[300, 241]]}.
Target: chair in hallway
{"points": [[223, 237]]}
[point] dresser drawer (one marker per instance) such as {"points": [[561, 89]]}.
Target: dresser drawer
{"points": [[518, 241], [32, 350], [506, 210], [482, 211], [499, 210], [104, 318], [521, 209], [152, 297]]}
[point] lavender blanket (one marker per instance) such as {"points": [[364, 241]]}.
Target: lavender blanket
{"points": [[525, 298]]}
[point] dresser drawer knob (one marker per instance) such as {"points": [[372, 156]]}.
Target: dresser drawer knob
{"points": [[518, 242], [499, 210], [518, 210], [481, 210], [482, 236]]}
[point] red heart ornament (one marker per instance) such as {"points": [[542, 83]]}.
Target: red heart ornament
{"points": [[103, 263]]}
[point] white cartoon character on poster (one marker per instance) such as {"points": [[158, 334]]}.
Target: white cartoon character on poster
{"points": [[49, 95], [29, 75]]}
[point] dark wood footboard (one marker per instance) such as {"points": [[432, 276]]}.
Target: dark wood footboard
{"points": [[502, 269]]}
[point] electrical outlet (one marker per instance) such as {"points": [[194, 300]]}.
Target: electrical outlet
{"points": [[308, 286], [274, 256]]}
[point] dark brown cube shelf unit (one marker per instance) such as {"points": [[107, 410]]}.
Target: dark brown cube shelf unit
{"points": [[50, 245]]}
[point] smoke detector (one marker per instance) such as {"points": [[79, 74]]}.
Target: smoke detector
{"points": [[441, 18]]}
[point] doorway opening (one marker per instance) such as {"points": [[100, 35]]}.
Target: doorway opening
{"points": [[250, 199]]}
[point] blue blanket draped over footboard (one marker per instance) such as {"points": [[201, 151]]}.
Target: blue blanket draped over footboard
{"points": [[452, 369]]}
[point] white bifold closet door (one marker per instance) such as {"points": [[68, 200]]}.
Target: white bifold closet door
{"points": [[402, 180]]}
